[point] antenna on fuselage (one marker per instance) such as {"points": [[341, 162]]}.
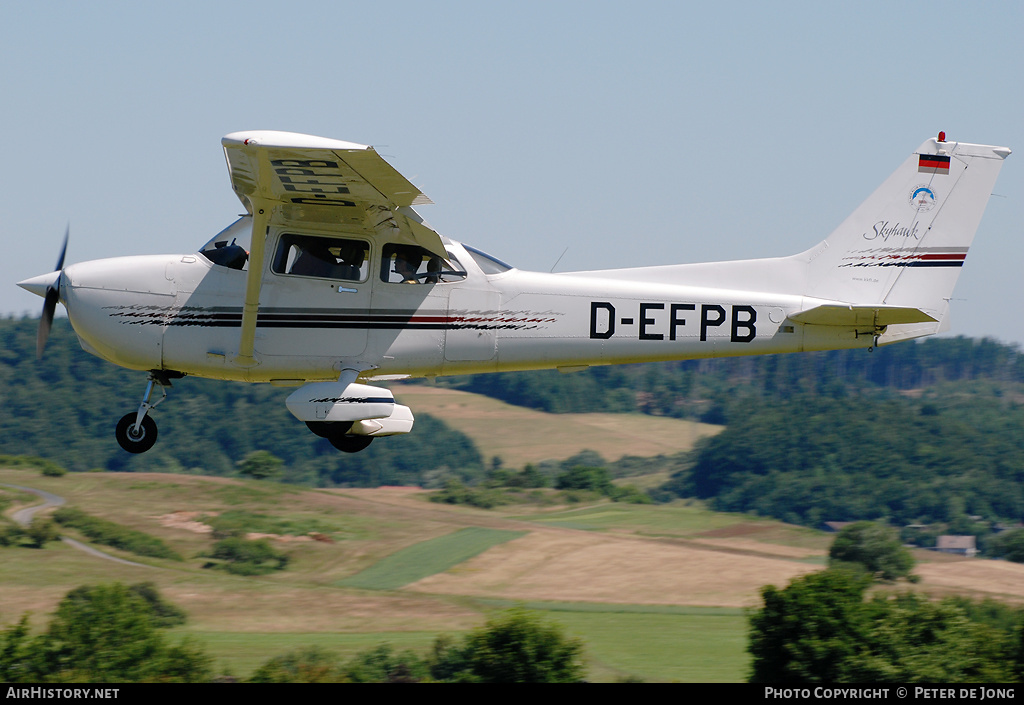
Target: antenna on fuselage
{"points": [[552, 270]]}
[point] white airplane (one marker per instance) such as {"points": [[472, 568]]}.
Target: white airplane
{"points": [[331, 279]]}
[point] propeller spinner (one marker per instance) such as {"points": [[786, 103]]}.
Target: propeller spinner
{"points": [[47, 286]]}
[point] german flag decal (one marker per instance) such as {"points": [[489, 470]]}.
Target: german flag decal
{"points": [[933, 164]]}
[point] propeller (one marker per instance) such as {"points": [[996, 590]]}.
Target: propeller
{"points": [[50, 301]]}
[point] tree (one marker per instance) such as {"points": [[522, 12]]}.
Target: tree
{"points": [[15, 653], [260, 465], [244, 557], [514, 647], [383, 665], [10, 533], [582, 477], [1009, 545], [41, 531], [911, 639], [529, 477], [820, 629], [103, 633], [311, 664], [808, 632], [875, 547], [164, 613]]}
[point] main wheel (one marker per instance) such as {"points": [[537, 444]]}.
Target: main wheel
{"points": [[350, 444], [132, 440], [326, 429]]}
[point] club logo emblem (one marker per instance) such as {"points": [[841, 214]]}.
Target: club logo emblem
{"points": [[922, 199]]}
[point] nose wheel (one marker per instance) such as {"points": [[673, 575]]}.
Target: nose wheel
{"points": [[136, 432], [136, 439]]}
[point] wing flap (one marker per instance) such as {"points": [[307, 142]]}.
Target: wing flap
{"points": [[860, 316]]}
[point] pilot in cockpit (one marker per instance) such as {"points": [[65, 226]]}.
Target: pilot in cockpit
{"points": [[407, 262]]}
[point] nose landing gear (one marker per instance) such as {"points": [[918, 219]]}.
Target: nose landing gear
{"points": [[136, 438], [136, 432]]}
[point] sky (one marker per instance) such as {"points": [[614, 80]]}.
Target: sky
{"points": [[622, 134]]}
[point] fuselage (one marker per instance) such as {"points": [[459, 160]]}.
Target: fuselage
{"points": [[183, 313]]}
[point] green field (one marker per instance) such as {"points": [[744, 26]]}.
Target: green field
{"points": [[685, 645], [427, 558]]}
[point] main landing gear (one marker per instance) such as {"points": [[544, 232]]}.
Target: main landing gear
{"points": [[337, 432], [136, 432]]}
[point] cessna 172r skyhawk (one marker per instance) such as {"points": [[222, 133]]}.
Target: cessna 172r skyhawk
{"points": [[332, 279]]}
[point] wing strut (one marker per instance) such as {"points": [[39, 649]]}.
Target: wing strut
{"points": [[261, 212]]}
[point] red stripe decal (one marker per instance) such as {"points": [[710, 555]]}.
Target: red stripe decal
{"points": [[949, 257]]}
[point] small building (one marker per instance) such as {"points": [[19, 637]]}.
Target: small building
{"points": [[960, 545]]}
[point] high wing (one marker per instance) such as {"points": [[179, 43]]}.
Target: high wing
{"points": [[318, 180], [284, 177]]}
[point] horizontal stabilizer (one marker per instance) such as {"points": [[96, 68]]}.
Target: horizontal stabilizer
{"points": [[858, 316]]}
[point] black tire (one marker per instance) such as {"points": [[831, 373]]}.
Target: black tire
{"points": [[325, 429], [350, 444], [137, 442]]}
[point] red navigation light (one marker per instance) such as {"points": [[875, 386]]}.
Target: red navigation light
{"points": [[942, 136]]}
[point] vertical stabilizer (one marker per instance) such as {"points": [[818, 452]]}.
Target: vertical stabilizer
{"points": [[904, 246]]}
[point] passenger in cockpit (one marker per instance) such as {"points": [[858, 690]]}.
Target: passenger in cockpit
{"points": [[315, 260]]}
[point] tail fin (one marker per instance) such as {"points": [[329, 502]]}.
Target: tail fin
{"points": [[904, 246]]}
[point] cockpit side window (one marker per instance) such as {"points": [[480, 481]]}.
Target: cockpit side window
{"points": [[322, 257], [411, 264]]}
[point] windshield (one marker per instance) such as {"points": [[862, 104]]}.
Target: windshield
{"points": [[230, 247], [489, 264]]}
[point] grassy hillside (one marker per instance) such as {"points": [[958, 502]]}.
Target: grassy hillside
{"points": [[519, 435], [655, 591]]}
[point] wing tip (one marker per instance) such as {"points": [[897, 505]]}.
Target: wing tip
{"points": [[289, 140]]}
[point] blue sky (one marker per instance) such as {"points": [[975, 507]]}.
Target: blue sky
{"points": [[630, 133]]}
